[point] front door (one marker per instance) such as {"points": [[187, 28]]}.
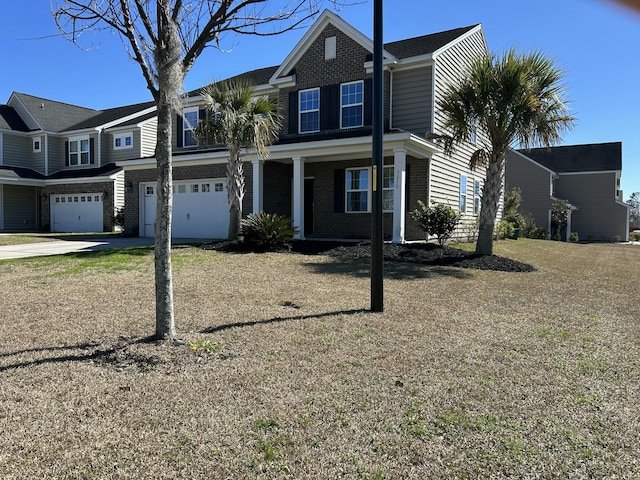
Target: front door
{"points": [[308, 206]]}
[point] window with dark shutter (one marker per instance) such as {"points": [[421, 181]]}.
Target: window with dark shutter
{"points": [[179, 129]]}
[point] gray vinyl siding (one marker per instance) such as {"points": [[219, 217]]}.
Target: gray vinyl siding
{"points": [[450, 65], [20, 208], [534, 182], [56, 154], [16, 150], [411, 100], [599, 217], [124, 153], [149, 136]]}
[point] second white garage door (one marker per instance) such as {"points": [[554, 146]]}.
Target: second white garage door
{"points": [[200, 209], [78, 212]]}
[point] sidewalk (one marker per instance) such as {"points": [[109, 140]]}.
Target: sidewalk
{"points": [[60, 247]]}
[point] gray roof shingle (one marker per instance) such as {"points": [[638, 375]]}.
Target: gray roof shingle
{"points": [[594, 157], [425, 44]]}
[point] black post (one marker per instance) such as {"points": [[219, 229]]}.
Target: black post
{"points": [[377, 161]]}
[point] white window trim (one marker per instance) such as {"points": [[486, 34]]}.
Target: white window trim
{"points": [[37, 140], [79, 139], [347, 190], [389, 189], [463, 194], [186, 126], [361, 104], [123, 140], [300, 112]]}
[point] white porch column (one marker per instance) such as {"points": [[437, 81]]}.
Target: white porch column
{"points": [[298, 197], [568, 232], [399, 190], [258, 182]]}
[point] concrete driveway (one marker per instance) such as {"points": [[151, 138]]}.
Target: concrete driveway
{"points": [[59, 247]]}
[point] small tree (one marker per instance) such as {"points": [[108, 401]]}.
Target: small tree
{"points": [[559, 215], [634, 209], [512, 201], [238, 119], [439, 220]]}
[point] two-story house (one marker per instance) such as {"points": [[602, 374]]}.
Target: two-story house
{"points": [[57, 162], [319, 171], [588, 176]]}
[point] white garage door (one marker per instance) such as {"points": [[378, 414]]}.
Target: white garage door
{"points": [[78, 212], [200, 209]]}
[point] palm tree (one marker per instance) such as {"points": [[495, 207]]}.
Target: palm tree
{"points": [[511, 101], [238, 119]]}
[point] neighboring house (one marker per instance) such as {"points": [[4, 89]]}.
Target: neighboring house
{"points": [[588, 176], [57, 162], [319, 172]]}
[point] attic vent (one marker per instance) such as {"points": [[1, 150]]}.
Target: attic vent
{"points": [[330, 48], [42, 106]]}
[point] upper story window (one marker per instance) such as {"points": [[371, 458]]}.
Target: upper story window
{"points": [[190, 116], [79, 152], [122, 140], [463, 193], [474, 131], [37, 144], [351, 104], [309, 102], [357, 189]]}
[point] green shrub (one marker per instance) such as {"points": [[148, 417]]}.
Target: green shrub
{"points": [[512, 201], [574, 237], [118, 218], [634, 236], [440, 220], [504, 229], [267, 231], [528, 225], [539, 233]]}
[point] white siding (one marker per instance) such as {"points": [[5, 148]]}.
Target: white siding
{"points": [[149, 135], [450, 66]]}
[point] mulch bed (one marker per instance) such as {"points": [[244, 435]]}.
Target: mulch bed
{"points": [[421, 253]]}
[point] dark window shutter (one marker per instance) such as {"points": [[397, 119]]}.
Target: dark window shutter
{"points": [[330, 107], [92, 151], [338, 190], [293, 113], [66, 153], [179, 130], [368, 101], [202, 118], [407, 184]]}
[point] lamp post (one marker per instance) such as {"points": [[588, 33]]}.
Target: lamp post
{"points": [[377, 161]]}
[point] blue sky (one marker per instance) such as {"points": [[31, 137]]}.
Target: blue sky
{"points": [[595, 42]]}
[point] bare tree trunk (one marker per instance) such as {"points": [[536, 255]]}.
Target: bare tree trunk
{"points": [[170, 76], [489, 204], [235, 193]]}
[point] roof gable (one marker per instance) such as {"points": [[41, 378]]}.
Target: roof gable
{"points": [[578, 158], [10, 120], [50, 115], [325, 19]]}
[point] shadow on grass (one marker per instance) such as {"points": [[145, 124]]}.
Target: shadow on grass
{"points": [[253, 323], [361, 268], [104, 354], [107, 252]]}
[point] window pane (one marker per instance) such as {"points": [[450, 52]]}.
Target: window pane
{"points": [[310, 122], [352, 116], [387, 200], [84, 158], [358, 179], [357, 201], [73, 147], [84, 145], [387, 178]]}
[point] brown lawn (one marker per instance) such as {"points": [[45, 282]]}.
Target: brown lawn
{"points": [[285, 374]]}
